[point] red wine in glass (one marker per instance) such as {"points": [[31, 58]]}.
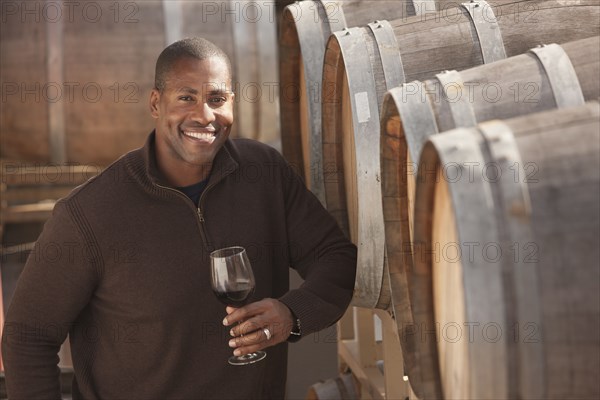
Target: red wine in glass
{"points": [[232, 281], [234, 298]]}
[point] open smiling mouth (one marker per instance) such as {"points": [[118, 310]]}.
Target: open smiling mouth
{"points": [[206, 136]]}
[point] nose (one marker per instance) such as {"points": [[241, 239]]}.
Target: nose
{"points": [[203, 114]]}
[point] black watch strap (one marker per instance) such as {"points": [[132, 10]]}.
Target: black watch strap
{"points": [[296, 333]]}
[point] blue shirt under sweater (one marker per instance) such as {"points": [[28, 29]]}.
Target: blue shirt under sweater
{"points": [[194, 191]]}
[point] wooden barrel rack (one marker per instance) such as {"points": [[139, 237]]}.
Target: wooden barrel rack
{"points": [[362, 63]]}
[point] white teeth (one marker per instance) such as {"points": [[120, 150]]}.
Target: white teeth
{"points": [[209, 137]]}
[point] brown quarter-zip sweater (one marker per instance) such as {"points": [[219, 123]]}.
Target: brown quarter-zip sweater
{"points": [[122, 267]]}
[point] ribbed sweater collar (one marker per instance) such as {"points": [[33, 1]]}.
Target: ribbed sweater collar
{"points": [[143, 166]]}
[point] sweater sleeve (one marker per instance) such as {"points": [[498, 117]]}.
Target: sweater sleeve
{"points": [[321, 254], [55, 285]]}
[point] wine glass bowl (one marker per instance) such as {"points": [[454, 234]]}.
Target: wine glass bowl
{"points": [[232, 281], [232, 277]]}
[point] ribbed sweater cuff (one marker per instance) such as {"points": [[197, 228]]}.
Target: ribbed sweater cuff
{"points": [[314, 313]]}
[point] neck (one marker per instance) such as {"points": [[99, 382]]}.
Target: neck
{"points": [[178, 173], [186, 176]]}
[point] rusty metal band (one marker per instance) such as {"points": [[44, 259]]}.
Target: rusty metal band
{"points": [[365, 124], [453, 89], [488, 31], [416, 114], [312, 44], [561, 75], [423, 7], [389, 53], [336, 21], [515, 212]]}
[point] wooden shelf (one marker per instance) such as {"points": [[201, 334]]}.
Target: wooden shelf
{"points": [[376, 363], [370, 378]]}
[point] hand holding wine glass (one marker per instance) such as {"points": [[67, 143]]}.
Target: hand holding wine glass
{"points": [[233, 283]]}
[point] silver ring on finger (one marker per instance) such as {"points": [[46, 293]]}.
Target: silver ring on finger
{"points": [[267, 333]]}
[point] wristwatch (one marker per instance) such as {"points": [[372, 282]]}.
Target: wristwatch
{"points": [[296, 333]]}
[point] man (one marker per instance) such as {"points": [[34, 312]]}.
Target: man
{"points": [[131, 282]]}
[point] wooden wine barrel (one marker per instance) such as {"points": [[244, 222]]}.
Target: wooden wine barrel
{"points": [[523, 84], [362, 63], [507, 264], [305, 27], [76, 78], [403, 133]]}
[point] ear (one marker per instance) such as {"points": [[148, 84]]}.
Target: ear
{"points": [[154, 99]]}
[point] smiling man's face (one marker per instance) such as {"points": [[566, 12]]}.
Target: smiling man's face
{"points": [[194, 114]]}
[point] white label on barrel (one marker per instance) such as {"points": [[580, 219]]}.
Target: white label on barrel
{"points": [[363, 113]]}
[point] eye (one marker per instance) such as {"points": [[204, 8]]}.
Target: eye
{"points": [[185, 98], [217, 100]]}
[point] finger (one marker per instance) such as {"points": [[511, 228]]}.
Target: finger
{"points": [[240, 351], [248, 327], [244, 313], [257, 337], [234, 315], [230, 309], [264, 335], [266, 313]]}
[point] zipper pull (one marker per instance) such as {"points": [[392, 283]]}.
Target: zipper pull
{"points": [[200, 214]]}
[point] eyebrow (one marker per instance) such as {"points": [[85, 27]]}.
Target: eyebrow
{"points": [[187, 89]]}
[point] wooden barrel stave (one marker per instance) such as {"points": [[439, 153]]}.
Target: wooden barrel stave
{"points": [[397, 223], [448, 40], [82, 90], [563, 217], [91, 136]]}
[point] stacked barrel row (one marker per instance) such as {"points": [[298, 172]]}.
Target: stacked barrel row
{"points": [[479, 237]]}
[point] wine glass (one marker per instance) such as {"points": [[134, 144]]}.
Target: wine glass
{"points": [[233, 283]]}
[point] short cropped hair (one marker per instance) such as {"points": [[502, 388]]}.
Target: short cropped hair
{"points": [[198, 48]]}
